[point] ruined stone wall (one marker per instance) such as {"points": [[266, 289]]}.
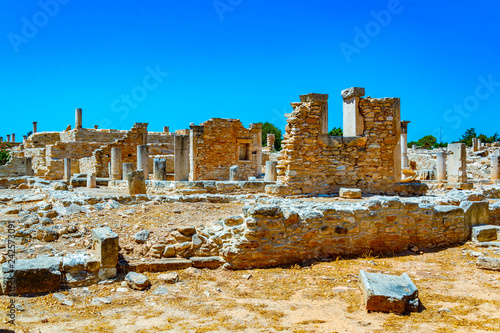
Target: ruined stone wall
{"points": [[272, 235], [314, 162], [42, 139], [218, 144], [38, 160], [16, 166], [160, 137], [92, 135], [495, 213], [128, 144]]}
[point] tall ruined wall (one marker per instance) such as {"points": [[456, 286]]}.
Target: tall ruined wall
{"points": [[218, 144], [42, 139], [314, 162], [16, 166], [38, 160], [128, 144], [272, 235]]}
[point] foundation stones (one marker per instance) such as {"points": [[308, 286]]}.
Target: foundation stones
{"points": [[350, 193], [389, 293], [136, 182], [234, 173], [159, 169], [485, 233], [31, 276]]}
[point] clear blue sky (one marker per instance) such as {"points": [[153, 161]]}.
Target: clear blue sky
{"points": [[170, 63]]}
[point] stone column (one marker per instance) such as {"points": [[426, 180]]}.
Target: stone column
{"points": [[270, 141], [441, 165], [34, 126], [8, 137], [495, 167], [404, 144], [166, 129], [457, 163], [353, 123], [96, 126], [109, 169], [91, 180], [136, 182], [127, 168], [257, 133], [195, 132], [1, 138], [181, 157], [234, 173], [143, 160], [13, 137], [271, 172], [78, 118], [414, 148], [67, 169], [159, 169], [116, 163]]}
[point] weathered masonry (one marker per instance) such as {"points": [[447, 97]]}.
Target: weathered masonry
{"points": [[368, 156]]}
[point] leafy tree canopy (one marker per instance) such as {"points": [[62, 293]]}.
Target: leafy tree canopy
{"points": [[268, 128], [336, 131]]}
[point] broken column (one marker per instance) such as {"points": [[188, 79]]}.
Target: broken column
{"points": [[353, 123], [257, 132], [116, 163], [8, 137], [105, 243], [181, 157], [271, 172], [13, 137], [78, 118], [495, 167], [67, 169], [194, 133], [166, 129], [143, 159], [91, 180], [136, 182], [159, 169], [457, 163], [234, 173], [441, 165], [270, 141], [127, 168], [404, 144], [34, 126]]}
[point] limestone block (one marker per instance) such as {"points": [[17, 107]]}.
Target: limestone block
{"points": [[350, 193], [485, 233], [137, 281], [105, 243], [488, 263], [353, 92], [476, 213], [389, 293], [31, 276], [234, 173], [136, 182], [271, 172]]}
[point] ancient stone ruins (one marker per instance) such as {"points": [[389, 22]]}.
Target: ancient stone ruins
{"points": [[318, 198]]}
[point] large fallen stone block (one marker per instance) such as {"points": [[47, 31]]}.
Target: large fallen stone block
{"points": [[389, 293], [350, 193], [31, 276], [488, 263], [485, 233], [105, 243]]}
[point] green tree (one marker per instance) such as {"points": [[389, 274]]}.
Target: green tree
{"points": [[468, 136], [427, 141], [4, 153], [268, 128], [336, 131]]}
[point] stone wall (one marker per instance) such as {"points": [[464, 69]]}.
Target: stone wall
{"points": [[218, 144], [312, 162], [92, 135], [42, 139], [281, 234], [16, 166]]}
